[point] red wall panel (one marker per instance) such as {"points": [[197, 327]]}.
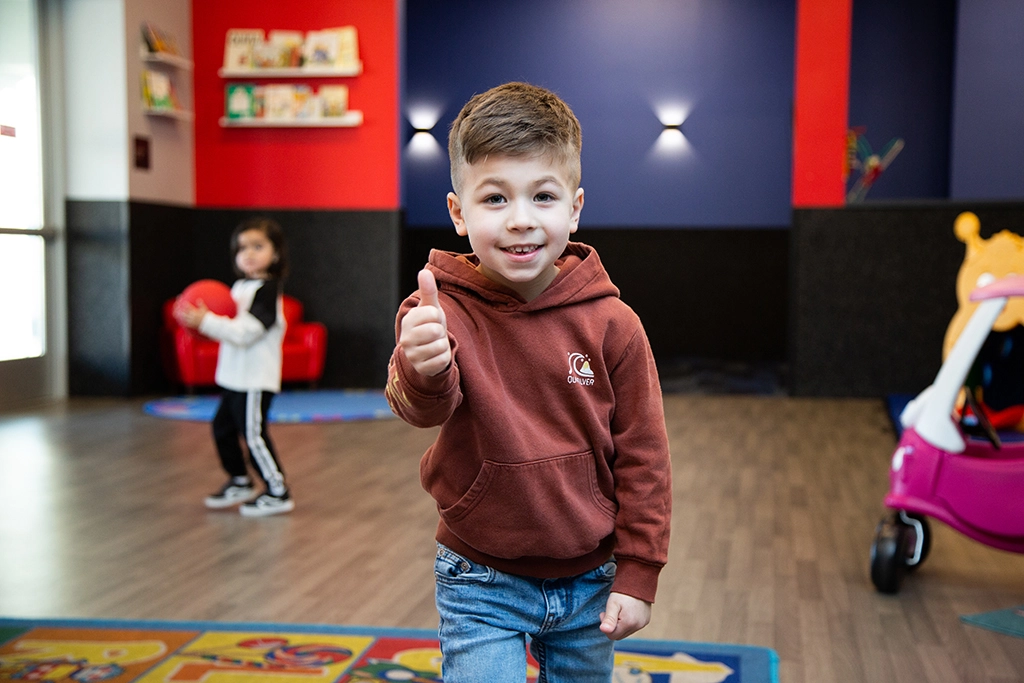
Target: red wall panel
{"points": [[319, 168], [821, 99]]}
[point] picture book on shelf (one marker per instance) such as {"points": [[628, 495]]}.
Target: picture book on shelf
{"points": [[157, 92], [306, 104], [333, 100], [320, 49], [288, 45], [156, 40], [240, 101], [331, 47], [279, 101], [240, 47], [269, 56], [348, 46]]}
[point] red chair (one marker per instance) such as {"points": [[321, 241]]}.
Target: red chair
{"points": [[191, 359]]}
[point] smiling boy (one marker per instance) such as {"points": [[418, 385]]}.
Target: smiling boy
{"points": [[551, 468]]}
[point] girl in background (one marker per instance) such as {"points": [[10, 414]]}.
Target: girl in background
{"points": [[248, 368]]}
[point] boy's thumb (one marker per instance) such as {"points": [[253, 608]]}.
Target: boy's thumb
{"points": [[428, 288], [609, 619]]}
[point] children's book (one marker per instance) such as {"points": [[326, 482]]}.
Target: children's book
{"points": [[348, 46], [258, 101], [240, 101], [333, 100], [269, 56], [156, 40], [279, 101], [320, 50], [156, 90], [239, 47], [289, 45], [306, 104]]}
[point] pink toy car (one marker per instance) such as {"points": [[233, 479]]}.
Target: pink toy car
{"points": [[973, 484]]}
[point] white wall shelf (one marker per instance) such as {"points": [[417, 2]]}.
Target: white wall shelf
{"points": [[350, 119], [178, 114], [293, 72], [166, 58]]}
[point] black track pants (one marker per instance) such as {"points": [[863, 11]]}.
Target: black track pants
{"points": [[243, 415]]}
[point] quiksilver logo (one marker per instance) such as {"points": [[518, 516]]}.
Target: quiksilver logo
{"points": [[579, 369]]}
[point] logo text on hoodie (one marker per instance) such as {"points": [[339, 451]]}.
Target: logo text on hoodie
{"points": [[579, 369]]}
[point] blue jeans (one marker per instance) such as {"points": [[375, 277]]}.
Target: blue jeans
{"points": [[487, 614]]}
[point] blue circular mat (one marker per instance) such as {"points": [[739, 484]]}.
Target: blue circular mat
{"points": [[287, 407]]}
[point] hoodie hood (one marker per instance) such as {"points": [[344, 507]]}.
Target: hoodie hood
{"points": [[581, 277]]}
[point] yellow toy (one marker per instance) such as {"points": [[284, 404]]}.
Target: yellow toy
{"points": [[999, 256]]}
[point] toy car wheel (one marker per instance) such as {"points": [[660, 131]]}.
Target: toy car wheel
{"points": [[918, 525], [889, 554]]}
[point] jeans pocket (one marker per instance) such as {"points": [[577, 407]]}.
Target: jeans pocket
{"points": [[450, 567], [606, 572]]}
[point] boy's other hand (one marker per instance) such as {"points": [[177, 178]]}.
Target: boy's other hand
{"points": [[624, 615], [424, 336]]}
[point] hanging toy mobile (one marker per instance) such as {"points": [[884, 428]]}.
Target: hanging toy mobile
{"points": [[859, 157]]}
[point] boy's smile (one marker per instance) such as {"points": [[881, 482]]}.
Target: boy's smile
{"points": [[518, 213]]}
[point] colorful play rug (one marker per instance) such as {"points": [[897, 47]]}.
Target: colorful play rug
{"points": [[288, 406], [1007, 621], [80, 651]]}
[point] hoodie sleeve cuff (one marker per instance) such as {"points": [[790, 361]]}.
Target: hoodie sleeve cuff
{"points": [[636, 579]]}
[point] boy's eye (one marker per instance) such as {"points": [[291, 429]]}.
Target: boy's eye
{"points": [[494, 199], [545, 197]]}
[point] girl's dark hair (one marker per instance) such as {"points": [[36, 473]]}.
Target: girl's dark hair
{"points": [[268, 226]]}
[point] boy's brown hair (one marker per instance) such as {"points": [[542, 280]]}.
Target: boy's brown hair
{"points": [[514, 119]]}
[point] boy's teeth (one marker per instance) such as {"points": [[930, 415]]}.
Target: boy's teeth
{"points": [[520, 250]]}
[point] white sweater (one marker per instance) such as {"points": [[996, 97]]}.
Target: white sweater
{"points": [[250, 343]]}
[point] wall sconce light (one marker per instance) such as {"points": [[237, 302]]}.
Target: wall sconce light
{"points": [[423, 145], [671, 142], [423, 118]]}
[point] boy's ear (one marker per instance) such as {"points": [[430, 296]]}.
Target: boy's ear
{"points": [[577, 207], [455, 211]]}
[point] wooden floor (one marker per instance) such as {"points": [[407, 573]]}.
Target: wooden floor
{"points": [[776, 500]]}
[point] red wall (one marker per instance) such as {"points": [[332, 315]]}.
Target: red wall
{"points": [[315, 168], [821, 98]]}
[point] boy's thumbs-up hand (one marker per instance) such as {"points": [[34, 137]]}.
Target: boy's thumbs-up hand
{"points": [[424, 336]]}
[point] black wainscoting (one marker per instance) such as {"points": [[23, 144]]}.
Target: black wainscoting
{"points": [[161, 258], [344, 270], [701, 293], [99, 323], [873, 289], [855, 300], [125, 259]]}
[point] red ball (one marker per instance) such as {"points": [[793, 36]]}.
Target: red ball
{"points": [[214, 293]]}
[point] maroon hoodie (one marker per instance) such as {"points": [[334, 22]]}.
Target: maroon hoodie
{"points": [[552, 453]]}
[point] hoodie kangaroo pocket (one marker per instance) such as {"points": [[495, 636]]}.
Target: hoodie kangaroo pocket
{"points": [[546, 508]]}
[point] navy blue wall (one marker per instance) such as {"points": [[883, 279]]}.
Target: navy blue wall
{"points": [[729, 63], [988, 111], [901, 85]]}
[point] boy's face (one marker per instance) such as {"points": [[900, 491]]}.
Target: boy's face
{"points": [[518, 213]]}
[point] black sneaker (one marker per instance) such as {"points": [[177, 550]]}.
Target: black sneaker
{"points": [[231, 494], [267, 505]]}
